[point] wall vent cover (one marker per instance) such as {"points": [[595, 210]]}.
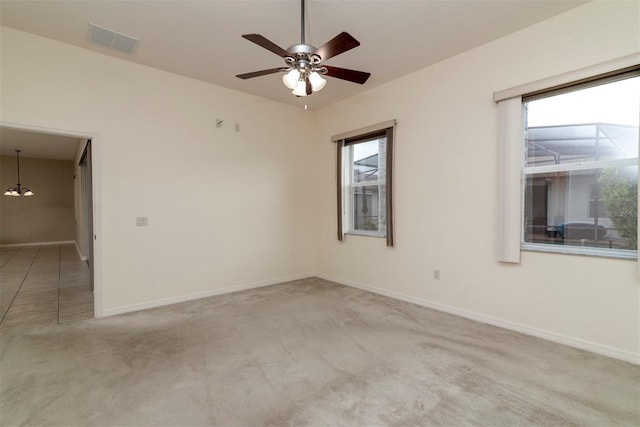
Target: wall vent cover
{"points": [[111, 39]]}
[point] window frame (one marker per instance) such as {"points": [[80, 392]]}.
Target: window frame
{"points": [[349, 186], [627, 73], [511, 170], [343, 169]]}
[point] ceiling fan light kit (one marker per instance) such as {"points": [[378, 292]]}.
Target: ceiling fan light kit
{"points": [[304, 63]]}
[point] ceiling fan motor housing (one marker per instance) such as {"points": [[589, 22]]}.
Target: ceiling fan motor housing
{"points": [[304, 59]]}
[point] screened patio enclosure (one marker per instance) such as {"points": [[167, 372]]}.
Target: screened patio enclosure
{"points": [[581, 185]]}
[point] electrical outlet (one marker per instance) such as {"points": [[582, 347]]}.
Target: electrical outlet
{"points": [[436, 274], [142, 221], [237, 127]]}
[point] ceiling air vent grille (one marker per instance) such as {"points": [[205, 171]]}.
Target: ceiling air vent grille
{"points": [[111, 39]]}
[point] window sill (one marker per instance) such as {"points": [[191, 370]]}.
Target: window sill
{"points": [[582, 251], [366, 233]]}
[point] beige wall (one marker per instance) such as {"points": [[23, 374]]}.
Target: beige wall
{"points": [[48, 215], [229, 209], [446, 191], [226, 209]]}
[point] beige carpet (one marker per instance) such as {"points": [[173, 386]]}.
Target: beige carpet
{"points": [[308, 352]]}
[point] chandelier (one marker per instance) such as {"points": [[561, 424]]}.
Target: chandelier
{"points": [[18, 190]]}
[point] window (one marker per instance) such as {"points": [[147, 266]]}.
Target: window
{"points": [[568, 163], [581, 167], [364, 182]]}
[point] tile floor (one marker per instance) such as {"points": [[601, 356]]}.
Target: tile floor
{"points": [[42, 286]]}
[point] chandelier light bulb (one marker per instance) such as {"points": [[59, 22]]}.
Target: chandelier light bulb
{"points": [[28, 193], [317, 82], [8, 192], [290, 79]]}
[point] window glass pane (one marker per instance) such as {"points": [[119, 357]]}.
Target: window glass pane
{"points": [[368, 208], [592, 124], [368, 161], [591, 128], [595, 207], [549, 145]]}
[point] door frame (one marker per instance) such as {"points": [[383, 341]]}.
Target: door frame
{"points": [[86, 169], [96, 185]]}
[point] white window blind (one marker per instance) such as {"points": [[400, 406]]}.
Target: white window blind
{"points": [[509, 227]]}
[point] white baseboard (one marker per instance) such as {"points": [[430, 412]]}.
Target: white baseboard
{"points": [[13, 245], [593, 347], [189, 297], [82, 257]]}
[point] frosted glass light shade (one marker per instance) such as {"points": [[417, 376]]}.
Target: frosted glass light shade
{"points": [[290, 79], [317, 82], [28, 193], [301, 89]]}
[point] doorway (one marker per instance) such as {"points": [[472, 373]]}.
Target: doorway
{"points": [[76, 149]]}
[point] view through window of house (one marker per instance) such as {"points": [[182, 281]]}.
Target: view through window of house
{"points": [[581, 167], [365, 180]]}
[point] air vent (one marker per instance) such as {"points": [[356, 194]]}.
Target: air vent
{"points": [[111, 39]]}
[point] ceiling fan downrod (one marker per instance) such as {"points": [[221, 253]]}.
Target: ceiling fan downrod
{"points": [[302, 55], [302, 22], [303, 72]]}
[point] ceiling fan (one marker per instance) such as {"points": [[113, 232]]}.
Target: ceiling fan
{"points": [[305, 63]]}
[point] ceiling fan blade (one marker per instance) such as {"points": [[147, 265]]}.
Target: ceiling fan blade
{"points": [[346, 74], [267, 44], [337, 45], [258, 73]]}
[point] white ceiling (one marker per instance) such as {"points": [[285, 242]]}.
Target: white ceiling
{"points": [[37, 144], [202, 39]]}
